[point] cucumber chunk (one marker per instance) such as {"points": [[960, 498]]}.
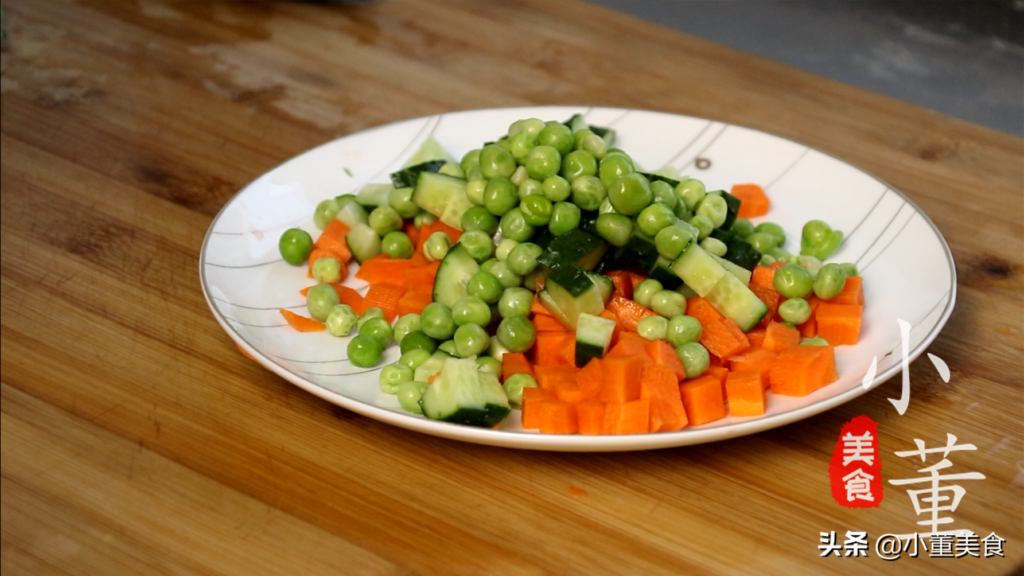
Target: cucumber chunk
{"points": [[662, 272], [431, 366], [740, 272], [572, 291], [698, 269], [593, 337], [733, 299], [453, 275], [462, 395], [363, 241], [443, 196], [408, 176], [574, 248], [373, 195]]}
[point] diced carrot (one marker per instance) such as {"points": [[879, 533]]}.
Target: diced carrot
{"points": [[628, 312], [416, 276], [620, 379], [514, 363], [385, 297], [756, 336], [754, 358], [623, 285], [545, 323], [301, 323], [548, 377], [765, 275], [724, 338], [703, 400], [719, 372], [590, 416], [383, 269], [419, 259], [452, 233], [770, 298], [413, 302], [630, 343], [852, 293], [660, 386], [350, 297], [753, 201], [800, 370], [425, 231], [412, 232], [549, 348], [839, 323], [778, 337], [537, 308], [569, 391], [589, 379], [635, 279], [745, 393], [318, 253], [715, 361], [532, 399], [664, 354], [702, 310], [332, 240], [558, 418], [606, 313], [809, 329], [627, 418]]}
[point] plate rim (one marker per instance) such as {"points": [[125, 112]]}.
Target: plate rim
{"points": [[576, 443]]}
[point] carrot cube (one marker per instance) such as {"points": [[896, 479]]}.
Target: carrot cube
{"points": [[590, 416], [778, 337], [514, 363], [703, 400], [621, 378], [745, 393], [660, 386], [532, 399], [663, 353], [589, 379], [800, 370], [852, 293], [558, 418], [839, 323], [627, 418], [724, 338], [549, 377]]}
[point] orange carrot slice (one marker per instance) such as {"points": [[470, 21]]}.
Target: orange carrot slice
{"points": [[852, 293], [620, 381], [383, 269], [532, 399], [778, 337], [723, 338], [627, 418], [545, 323], [515, 363], [628, 312], [839, 323], [702, 310], [660, 386], [413, 302], [745, 393], [703, 400], [385, 297], [622, 282], [753, 201], [800, 370], [558, 418], [590, 416], [301, 323]]}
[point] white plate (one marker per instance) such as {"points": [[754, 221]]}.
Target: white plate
{"points": [[907, 266]]}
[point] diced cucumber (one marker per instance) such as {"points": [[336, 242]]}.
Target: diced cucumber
{"points": [[740, 272], [363, 241], [453, 275], [353, 214], [574, 248], [429, 150], [738, 250], [373, 195], [442, 196], [639, 254], [462, 395], [431, 366], [698, 269], [733, 299], [407, 177], [670, 172], [662, 272], [653, 176], [593, 337], [732, 205], [572, 291]]}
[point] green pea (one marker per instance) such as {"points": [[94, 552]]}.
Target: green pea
{"points": [[812, 264], [479, 218], [415, 358], [788, 324], [793, 281], [653, 328], [475, 191], [588, 192], [470, 160], [819, 239], [449, 347], [578, 163], [471, 340], [773, 229], [530, 280], [565, 216], [668, 303], [630, 194], [400, 199], [613, 167], [557, 136], [436, 321], [695, 359], [795, 310], [516, 333], [485, 285], [405, 325], [506, 279], [364, 352], [536, 210], [530, 125], [606, 207], [437, 245], [515, 301], [500, 196], [385, 219], [369, 314], [523, 258], [489, 365], [616, 229], [320, 300], [409, 395], [715, 208], [324, 212], [344, 199], [514, 225], [295, 245], [767, 260], [703, 224], [521, 145], [681, 212], [518, 177], [664, 193], [530, 187], [452, 169], [671, 241], [496, 162], [691, 191], [424, 218], [379, 329], [392, 376], [714, 246], [683, 329], [397, 245], [587, 140], [851, 269], [816, 341], [514, 386], [742, 227], [418, 340], [341, 320], [783, 255], [645, 290], [478, 243], [487, 265], [543, 161], [327, 270], [556, 188], [654, 218], [763, 242], [830, 281], [504, 248], [471, 310]]}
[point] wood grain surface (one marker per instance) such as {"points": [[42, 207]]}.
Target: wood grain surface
{"points": [[137, 440]]}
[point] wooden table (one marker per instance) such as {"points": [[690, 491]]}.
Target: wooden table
{"points": [[136, 439]]}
